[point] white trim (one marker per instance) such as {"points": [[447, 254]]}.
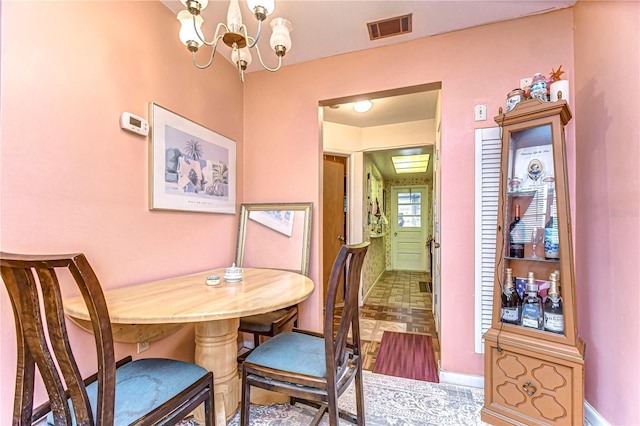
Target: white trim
{"points": [[373, 285], [478, 243], [592, 417], [461, 379]]}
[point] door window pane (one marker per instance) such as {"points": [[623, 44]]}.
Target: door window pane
{"points": [[409, 209]]}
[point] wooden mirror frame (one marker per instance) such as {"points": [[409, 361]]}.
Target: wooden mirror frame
{"points": [[305, 243]]}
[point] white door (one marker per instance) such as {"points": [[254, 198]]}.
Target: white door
{"points": [[409, 228]]}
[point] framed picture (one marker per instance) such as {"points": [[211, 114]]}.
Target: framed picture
{"points": [[191, 167], [279, 220]]}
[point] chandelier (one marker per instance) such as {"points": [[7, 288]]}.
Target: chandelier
{"points": [[234, 33]]}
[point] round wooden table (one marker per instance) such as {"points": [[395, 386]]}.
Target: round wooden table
{"points": [[154, 310]]}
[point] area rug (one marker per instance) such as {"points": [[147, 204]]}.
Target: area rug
{"points": [[407, 355], [388, 401]]}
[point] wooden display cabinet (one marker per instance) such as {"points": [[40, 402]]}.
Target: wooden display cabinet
{"points": [[534, 376]]}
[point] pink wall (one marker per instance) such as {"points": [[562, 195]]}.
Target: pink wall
{"points": [[607, 83], [72, 180], [480, 65], [67, 76]]}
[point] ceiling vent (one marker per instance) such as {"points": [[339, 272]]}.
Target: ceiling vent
{"points": [[389, 27]]}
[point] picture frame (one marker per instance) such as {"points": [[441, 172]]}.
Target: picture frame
{"points": [[191, 167], [279, 220]]}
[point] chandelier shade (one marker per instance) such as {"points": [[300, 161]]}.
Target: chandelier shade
{"points": [[233, 33]]}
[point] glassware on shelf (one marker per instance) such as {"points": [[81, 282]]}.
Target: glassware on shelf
{"points": [[537, 234]]}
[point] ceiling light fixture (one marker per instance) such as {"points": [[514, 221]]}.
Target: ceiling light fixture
{"points": [[234, 33], [411, 163], [362, 106]]}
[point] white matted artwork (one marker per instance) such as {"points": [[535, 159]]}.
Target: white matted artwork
{"points": [[192, 168], [278, 220], [533, 165]]}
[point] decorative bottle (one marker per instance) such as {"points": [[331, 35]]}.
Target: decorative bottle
{"points": [[516, 235], [532, 309], [553, 311], [551, 240], [511, 302], [539, 87]]}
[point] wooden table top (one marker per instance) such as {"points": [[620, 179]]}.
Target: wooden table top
{"points": [[186, 299]]}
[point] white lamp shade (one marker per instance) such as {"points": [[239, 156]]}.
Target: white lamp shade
{"points": [[203, 3], [269, 5], [280, 35], [187, 32], [241, 54], [234, 17]]}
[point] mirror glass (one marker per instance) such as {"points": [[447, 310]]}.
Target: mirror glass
{"points": [[275, 235]]}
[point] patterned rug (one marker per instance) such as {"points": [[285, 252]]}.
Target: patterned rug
{"points": [[417, 360], [388, 401]]}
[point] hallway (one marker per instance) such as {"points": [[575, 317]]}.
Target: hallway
{"points": [[400, 301]]}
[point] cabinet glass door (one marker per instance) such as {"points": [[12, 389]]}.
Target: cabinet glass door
{"points": [[530, 216]]}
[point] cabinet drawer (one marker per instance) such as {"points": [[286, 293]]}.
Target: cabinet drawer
{"points": [[531, 387]]}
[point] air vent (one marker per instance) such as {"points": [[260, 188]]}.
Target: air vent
{"points": [[389, 27]]}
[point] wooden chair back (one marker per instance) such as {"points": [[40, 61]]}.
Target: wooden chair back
{"points": [[43, 340]]}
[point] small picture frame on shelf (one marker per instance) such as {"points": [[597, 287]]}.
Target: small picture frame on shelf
{"points": [[532, 168]]}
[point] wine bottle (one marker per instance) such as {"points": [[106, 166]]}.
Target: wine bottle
{"points": [[511, 302], [551, 239], [532, 309], [516, 235], [553, 311]]}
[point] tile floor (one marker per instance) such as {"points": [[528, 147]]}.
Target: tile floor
{"points": [[396, 303]]}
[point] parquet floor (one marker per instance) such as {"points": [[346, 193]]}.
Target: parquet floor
{"points": [[397, 303]]}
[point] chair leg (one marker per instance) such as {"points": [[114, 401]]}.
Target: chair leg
{"points": [[332, 407], [359, 397], [256, 340], [209, 403], [246, 400]]}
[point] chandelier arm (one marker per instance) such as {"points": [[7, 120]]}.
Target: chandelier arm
{"points": [[214, 44], [255, 40], [263, 64], [216, 35]]}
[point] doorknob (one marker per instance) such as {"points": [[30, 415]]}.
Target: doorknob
{"points": [[340, 238], [436, 245]]}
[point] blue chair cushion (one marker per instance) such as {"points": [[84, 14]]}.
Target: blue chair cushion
{"points": [[294, 352], [144, 385]]}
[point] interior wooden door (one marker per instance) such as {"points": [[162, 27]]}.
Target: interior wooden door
{"points": [[333, 214]]}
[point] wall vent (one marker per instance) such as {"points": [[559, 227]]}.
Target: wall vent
{"points": [[390, 27]]}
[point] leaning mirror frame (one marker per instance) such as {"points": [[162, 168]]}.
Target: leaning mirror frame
{"points": [[305, 243]]}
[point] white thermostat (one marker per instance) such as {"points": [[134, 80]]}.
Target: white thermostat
{"points": [[134, 123]]}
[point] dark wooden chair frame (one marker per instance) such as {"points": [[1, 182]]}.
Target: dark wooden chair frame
{"points": [[289, 315], [31, 281], [343, 358]]}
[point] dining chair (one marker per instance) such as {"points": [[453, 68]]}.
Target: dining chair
{"points": [[142, 392], [316, 367], [272, 323]]}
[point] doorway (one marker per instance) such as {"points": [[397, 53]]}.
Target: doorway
{"points": [[334, 214]]}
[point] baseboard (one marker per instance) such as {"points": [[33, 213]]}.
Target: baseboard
{"points": [[366, 296], [592, 417], [461, 379]]}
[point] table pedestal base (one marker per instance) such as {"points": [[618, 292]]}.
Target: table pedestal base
{"points": [[216, 349]]}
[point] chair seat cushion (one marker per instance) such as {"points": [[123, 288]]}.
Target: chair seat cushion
{"points": [[144, 385], [262, 323], [293, 352]]}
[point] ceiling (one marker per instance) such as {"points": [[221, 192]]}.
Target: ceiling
{"points": [[324, 28]]}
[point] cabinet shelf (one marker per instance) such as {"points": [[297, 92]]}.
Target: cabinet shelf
{"points": [[531, 259]]}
